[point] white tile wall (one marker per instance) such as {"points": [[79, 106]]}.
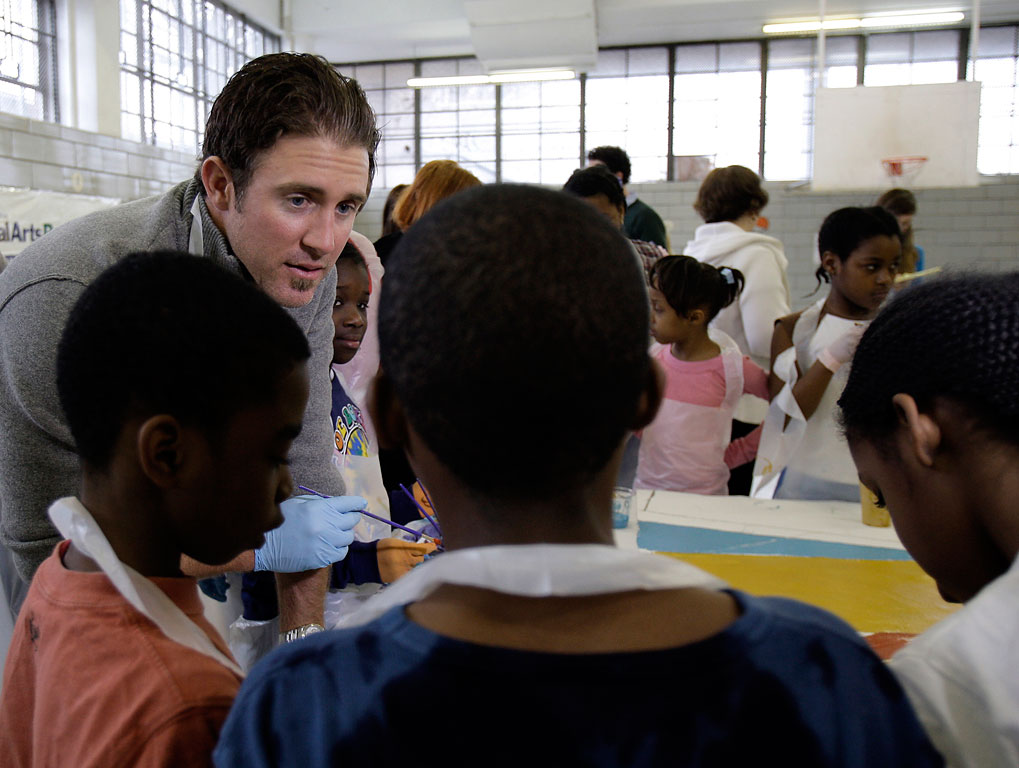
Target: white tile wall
{"points": [[41, 155]]}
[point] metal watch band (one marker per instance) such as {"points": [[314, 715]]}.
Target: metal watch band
{"points": [[298, 632]]}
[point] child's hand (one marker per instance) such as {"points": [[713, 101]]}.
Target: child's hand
{"points": [[396, 557], [841, 351]]}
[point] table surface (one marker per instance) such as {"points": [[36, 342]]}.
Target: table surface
{"points": [[816, 551]]}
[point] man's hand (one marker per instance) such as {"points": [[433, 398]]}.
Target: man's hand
{"points": [[315, 533]]}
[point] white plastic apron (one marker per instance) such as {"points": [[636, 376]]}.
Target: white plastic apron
{"points": [[538, 570], [667, 461], [75, 523], [789, 445]]}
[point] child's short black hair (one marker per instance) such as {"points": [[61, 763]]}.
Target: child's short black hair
{"points": [[350, 253], [955, 338], [843, 230], [689, 284], [172, 333], [514, 329], [596, 180]]}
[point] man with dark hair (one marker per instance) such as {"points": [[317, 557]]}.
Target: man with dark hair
{"points": [[641, 222], [286, 165], [532, 638]]}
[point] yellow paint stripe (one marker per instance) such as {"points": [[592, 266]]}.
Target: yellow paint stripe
{"points": [[872, 595]]}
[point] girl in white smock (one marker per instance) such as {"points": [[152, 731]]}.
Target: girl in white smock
{"points": [[687, 448], [802, 453]]}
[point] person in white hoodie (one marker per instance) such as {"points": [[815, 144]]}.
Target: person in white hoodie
{"points": [[730, 201]]}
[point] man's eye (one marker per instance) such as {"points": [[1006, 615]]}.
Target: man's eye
{"points": [[363, 307], [298, 202], [338, 303], [346, 208]]}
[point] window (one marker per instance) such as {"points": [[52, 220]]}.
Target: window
{"points": [[718, 103], [789, 106], [393, 102], [912, 58], [627, 105], [997, 68], [176, 56], [458, 122], [27, 59], [539, 132]]}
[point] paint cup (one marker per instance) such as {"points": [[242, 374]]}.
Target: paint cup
{"points": [[622, 506], [872, 513]]}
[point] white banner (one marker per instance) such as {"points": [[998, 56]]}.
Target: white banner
{"points": [[27, 214]]}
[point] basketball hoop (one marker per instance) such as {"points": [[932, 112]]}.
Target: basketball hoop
{"points": [[903, 169]]}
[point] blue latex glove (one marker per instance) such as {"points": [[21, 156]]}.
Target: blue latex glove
{"points": [[315, 533], [215, 587]]}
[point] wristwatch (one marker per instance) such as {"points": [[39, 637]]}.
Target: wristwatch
{"points": [[298, 632]]}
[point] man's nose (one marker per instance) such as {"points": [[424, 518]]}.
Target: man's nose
{"points": [[321, 234]]}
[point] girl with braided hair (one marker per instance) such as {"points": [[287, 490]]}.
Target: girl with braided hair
{"points": [[801, 454], [686, 447], [932, 421]]}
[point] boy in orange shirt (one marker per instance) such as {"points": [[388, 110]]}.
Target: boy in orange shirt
{"points": [[183, 388]]}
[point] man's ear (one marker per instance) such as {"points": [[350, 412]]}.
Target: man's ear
{"points": [[923, 432], [387, 413], [162, 450], [219, 184], [650, 397]]}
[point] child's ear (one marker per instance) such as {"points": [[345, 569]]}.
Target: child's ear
{"points": [[831, 262], [923, 432], [218, 182], [387, 413], [161, 449], [650, 397], [697, 317]]}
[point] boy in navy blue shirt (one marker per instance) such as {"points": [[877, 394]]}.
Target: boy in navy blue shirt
{"points": [[513, 335]]}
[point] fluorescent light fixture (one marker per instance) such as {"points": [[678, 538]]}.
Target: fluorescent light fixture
{"points": [[912, 19], [894, 19], [510, 76], [809, 26]]}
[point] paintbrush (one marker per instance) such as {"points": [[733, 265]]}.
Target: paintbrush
{"points": [[416, 534]]}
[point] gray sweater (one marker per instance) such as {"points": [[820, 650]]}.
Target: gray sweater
{"points": [[38, 463]]}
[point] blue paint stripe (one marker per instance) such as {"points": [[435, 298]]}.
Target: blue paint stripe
{"points": [[680, 538]]}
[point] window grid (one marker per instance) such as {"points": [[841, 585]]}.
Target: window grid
{"points": [[395, 105], [176, 56], [28, 59], [702, 77], [626, 104], [717, 103], [996, 66]]}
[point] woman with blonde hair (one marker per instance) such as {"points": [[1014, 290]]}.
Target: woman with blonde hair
{"points": [[436, 181]]}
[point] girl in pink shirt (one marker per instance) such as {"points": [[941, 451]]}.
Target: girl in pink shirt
{"points": [[686, 447]]}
